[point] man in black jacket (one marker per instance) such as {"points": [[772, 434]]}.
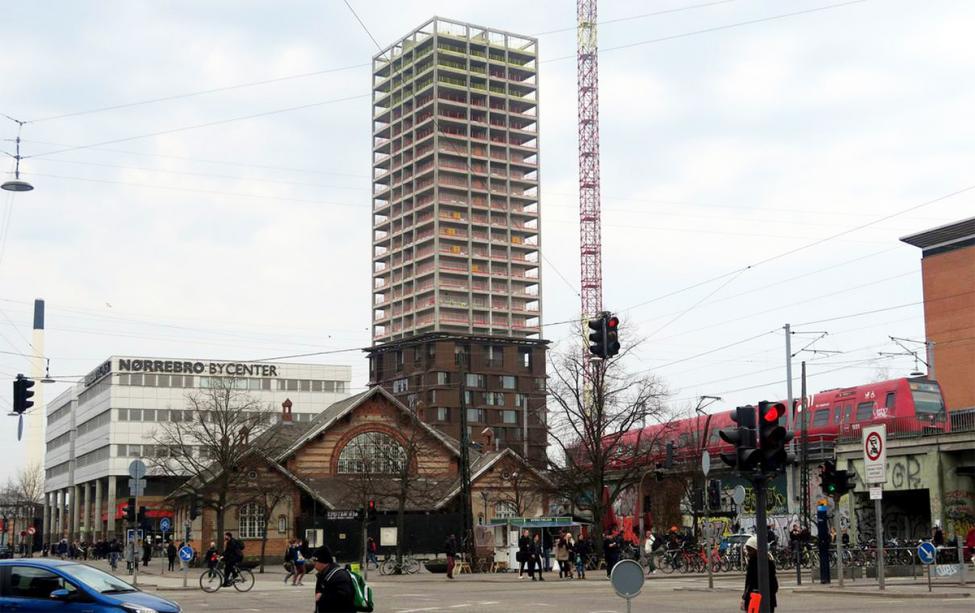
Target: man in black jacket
{"points": [[751, 576], [450, 549], [524, 543], [233, 554], [334, 592]]}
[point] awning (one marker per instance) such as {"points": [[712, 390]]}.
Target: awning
{"points": [[538, 522]]}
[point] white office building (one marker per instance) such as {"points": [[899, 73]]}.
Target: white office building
{"points": [[96, 428]]}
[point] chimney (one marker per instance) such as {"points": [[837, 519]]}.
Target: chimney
{"points": [[487, 434], [286, 411]]}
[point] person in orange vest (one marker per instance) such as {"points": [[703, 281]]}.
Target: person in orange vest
{"points": [[751, 578]]}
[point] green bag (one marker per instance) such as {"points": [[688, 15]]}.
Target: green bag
{"points": [[362, 598]]}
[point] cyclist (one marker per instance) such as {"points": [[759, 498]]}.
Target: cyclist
{"points": [[233, 554]]}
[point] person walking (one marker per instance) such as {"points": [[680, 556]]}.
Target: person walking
{"points": [[114, 552], [611, 549], [524, 543], [581, 550], [570, 545], [371, 550], [537, 552], [648, 552], [171, 555], [751, 576], [562, 556], [450, 548], [334, 591], [146, 553], [289, 560], [300, 562]]}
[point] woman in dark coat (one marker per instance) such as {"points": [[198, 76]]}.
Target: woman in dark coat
{"points": [[751, 576]]}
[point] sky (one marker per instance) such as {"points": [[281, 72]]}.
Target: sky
{"points": [[760, 160]]}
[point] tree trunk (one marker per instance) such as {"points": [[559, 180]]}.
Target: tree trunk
{"points": [[400, 528], [221, 509], [263, 542]]}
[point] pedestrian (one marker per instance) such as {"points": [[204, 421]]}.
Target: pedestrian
{"points": [[562, 557], [171, 555], [371, 550], [289, 560], [536, 556], [211, 556], [300, 562], [450, 548], [334, 591], [581, 551], [570, 546], [938, 536], [114, 552], [524, 543], [970, 546], [146, 553], [751, 576], [547, 548], [611, 550], [648, 551]]}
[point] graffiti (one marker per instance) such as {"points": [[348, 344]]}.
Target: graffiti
{"points": [[897, 524], [959, 511], [905, 473], [625, 503], [947, 570], [774, 501]]}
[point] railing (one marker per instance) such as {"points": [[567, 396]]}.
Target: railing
{"points": [[906, 427]]}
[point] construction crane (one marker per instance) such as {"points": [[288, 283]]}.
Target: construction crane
{"points": [[590, 234]]}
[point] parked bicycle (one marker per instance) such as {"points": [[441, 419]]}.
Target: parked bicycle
{"points": [[408, 566]]}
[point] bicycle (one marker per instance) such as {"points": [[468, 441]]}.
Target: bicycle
{"points": [[408, 566], [212, 579]]}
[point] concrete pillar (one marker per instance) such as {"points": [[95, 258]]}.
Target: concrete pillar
{"points": [[99, 533], [59, 520], [46, 527], [75, 512], [110, 506], [86, 513]]}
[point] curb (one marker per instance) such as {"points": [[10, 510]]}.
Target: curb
{"points": [[884, 594], [164, 588]]}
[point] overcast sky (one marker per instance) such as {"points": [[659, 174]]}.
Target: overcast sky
{"points": [[720, 149]]}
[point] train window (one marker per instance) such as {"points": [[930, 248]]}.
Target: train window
{"points": [[849, 414], [837, 414], [889, 401], [820, 418], [865, 411]]}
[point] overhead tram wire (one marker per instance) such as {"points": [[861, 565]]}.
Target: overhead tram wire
{"points": [[316, 73]]}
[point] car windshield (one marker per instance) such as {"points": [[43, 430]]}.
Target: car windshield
{"points": [[97, 580]]}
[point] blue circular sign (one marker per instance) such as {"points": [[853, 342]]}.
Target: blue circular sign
{"points": [[165, 524], [186, 553], [927, 552]]}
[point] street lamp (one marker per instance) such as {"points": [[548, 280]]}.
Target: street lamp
{"points": [[16, 185]]}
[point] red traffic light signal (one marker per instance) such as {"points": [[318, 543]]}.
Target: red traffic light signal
{"points": [[772, 412]]}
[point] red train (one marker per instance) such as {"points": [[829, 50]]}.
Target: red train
{"points": [[905, 405]]}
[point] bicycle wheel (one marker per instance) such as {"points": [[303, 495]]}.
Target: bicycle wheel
{"points": [[244, 581], [211, 580], [388, 567], [412, 565]]}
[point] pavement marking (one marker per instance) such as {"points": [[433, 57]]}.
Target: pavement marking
{"points": [[460, 606], [418, 610]]}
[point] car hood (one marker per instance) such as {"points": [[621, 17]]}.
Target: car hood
{"points": [[148, 600]]}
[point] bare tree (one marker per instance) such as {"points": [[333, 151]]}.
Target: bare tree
{"points": [[598, 420], [20, 498], [524, 493], [207, 443], [266, 490]]}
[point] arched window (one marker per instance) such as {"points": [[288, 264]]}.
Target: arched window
{"points": [[372, 452], [252, 520]]}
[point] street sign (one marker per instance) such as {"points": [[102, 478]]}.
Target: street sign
{"points": [[31, 530], [876, 493], [137, 469], [927, 552], [875, 454], [186, 553], [165, 524], [627, 579], [738, 494], [706, 463], [137, 487], [132, 535]]}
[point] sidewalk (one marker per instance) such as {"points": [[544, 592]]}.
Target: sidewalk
{"points": [[894, 588]]}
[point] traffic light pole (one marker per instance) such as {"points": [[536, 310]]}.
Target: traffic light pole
{"points": [[839, 538], [761, 529], [135, 539]]}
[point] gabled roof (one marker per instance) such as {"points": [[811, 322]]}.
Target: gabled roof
{"points": [[340, 409], [483, 463]]}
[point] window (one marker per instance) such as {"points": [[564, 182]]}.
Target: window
{"points": [[372, 452], [401, 385], [317, 386], [889, 400], [509, 417], [443, 414], [849, 414], [136, 379], [540, 384], [520, 401], [525, 357], [508, 382], [475, 380], [31, 582], [475, 415], [460, 355], [494, 399], [148, 415], [865, 411], [399, 360], [251, 525], [820, 418], [499, 436], [282, 524], [305, 385], [135, 414], [494, 356], [442, 378], [123, 415], [837, 414], [505, 509]]}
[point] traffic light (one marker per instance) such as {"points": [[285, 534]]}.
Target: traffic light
{"points": [[194, 509], [745, 456], [22, 394], [697, 499], [827, 477], [597, 338], [714, 495], [372, 510], [130, 511], [843, 484], [612, 335], [773, 437]]}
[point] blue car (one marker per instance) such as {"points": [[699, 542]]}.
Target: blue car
{"points": [[56, 585]]}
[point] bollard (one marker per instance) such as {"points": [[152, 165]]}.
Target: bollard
{"points": [[913, 567], [961, 559], [798, 563]]}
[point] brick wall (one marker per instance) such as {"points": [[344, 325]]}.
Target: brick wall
{"points": [[949, 320]]}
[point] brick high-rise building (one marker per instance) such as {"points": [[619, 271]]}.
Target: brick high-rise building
{"points": [[948, 273], [456, 245]]}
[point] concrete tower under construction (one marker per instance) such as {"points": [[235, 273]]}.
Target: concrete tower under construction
{"points": [[456, 244]]}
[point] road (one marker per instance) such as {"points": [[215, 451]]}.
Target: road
{"points": [[506, 593]]}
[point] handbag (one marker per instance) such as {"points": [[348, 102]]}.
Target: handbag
{"points": [[520, 556]]}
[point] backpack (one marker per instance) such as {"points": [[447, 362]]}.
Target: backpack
{"points": [[362, 593]]}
